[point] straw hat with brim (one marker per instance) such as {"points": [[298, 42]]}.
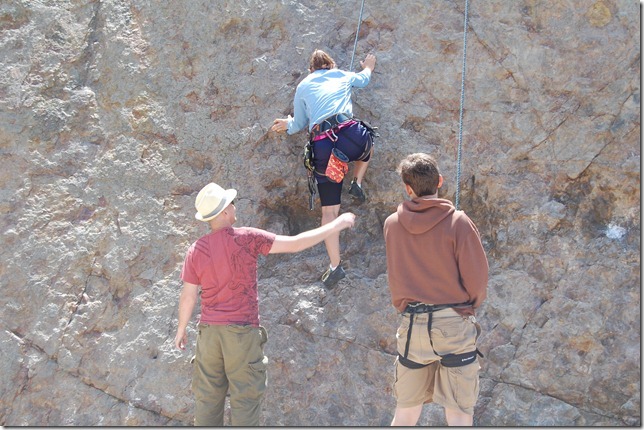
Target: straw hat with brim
{"points": [[211, 200]]}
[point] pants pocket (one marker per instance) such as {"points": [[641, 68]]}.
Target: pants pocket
{"points": [[264, 336], [465, 381], [454, 335], [260, 365]]}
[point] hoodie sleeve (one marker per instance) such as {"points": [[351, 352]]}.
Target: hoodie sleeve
{"points": [[472, 262]]}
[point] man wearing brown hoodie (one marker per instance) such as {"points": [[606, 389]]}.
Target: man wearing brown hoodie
{"points": [[438, 275]]}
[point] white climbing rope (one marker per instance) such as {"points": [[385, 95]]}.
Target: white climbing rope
{"points": [[460, 120], [355, 44]]}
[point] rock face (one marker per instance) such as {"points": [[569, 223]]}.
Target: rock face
{"points": [[113, 114]]}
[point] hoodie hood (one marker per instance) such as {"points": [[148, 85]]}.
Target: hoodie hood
{"points": [[422, 214]]}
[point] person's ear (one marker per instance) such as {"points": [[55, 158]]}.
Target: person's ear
{"points": [[409, 190], [440, 181]]}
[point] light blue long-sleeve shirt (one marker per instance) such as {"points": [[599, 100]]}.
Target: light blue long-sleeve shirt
{"points": [[324, 93]]}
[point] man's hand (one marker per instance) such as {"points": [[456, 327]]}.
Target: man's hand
{"points": [[280, 124], [345, 220], [369, 62], [181, 339]]}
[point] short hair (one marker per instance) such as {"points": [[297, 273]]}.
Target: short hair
{"points": [[420, 172], [320, 60]]}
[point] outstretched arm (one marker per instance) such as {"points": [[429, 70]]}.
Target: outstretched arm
{"points": [[307, 239]]}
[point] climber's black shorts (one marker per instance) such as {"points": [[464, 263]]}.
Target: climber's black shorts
{"points": [[330, 193]]}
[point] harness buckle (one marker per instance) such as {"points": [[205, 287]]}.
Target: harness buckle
{"points": [[330, 133], [329, 124]]}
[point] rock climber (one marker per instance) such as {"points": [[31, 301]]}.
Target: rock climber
{"points": [[323, 102]]}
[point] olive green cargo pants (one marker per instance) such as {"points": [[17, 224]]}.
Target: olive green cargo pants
{"points": [[229, 358]]}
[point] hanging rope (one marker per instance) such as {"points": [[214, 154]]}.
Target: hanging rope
{"points": [[355, 44], [460, 120]]}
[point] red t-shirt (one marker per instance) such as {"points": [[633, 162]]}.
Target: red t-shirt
{"points": [[224, 263]]}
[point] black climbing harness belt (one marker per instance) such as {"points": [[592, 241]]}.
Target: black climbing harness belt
{"points": [[328, 125], [447, 360], [411, 323]]}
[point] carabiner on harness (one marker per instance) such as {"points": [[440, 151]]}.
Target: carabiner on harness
{"points": [[330, 133], [312, 189]]}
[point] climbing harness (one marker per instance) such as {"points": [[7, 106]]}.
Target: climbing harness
{"points": [[328, 128], [447, 360], [460, 119], [355, 44]]}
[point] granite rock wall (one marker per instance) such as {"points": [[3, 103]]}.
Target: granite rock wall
{"points": [[113, 114]]}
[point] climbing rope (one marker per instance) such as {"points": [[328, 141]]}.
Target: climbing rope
{"points": [[355, 44], [460, 120]]}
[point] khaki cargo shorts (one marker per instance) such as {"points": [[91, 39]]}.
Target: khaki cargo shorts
{"points": [[451, 387]]}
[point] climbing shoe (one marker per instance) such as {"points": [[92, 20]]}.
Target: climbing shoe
{"points": [[356, 191], [330, 278]]}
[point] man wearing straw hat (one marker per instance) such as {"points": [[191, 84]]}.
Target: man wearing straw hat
{"points": [[229, 355]]}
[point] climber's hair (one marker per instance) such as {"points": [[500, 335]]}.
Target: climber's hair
{"points": [[420, 172], [320, 60]]}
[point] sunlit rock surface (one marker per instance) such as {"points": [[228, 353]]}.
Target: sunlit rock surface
{"points": [[114, 114]]}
